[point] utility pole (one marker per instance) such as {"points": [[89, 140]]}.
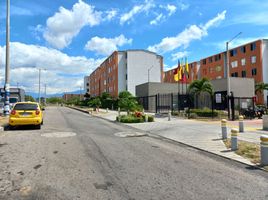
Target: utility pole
{"points": [[228, 70], [7, 86], [39, 85], [45, 96], [80, 93]]}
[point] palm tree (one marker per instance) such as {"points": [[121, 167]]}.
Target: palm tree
{"points": [[201, 86], [260, 87]]}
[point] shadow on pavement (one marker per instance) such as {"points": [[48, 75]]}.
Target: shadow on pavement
{"points": [[20, 128]]}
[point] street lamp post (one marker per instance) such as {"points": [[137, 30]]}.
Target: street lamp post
{"points": [[7, 86], [228, 69], [39, 85]]}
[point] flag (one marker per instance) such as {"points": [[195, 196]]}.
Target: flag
{"points": [[180, 74], [176, 72], [187, 66]]}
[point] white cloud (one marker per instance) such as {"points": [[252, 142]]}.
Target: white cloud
{"points": [[62, 74], [255, 18], [189, 34], [111, 14], [178, 55], [105, 46], [66, 24], [171, 9], [148, 4], [157, 19], [183, 6]]}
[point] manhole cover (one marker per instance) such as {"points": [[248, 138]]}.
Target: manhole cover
{"points": [[59, 134], [130, 134]]}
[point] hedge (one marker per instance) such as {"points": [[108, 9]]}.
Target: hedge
{"points": [[205, 112], [133, 119]]}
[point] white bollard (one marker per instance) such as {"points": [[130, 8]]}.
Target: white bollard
{"points": [[241, 124], [106, 109], [264, 150], [146, 118], [169, 115], [224, 129], [265, 122], [234, 142], [143, 111], [119, 114]]}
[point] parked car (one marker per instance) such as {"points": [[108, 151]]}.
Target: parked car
{"points": [[26, 113]]}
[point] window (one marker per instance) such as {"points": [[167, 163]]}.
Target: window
{"points": [[87, 84], [244, 74], [210, 59], [126, 76], [217, 57], [243, 49], [204, 61], [234, 64], [211, 69], [252, 46], [204, 71], [254, 72], [233, 52], [235, 74], [218, 68], [243, 61], [87, 90], [104, 82], [253, 59]]}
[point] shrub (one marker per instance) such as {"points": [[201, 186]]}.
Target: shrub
{"points": [[130, 119], [150, 118], [206, 112], [192, 116]]}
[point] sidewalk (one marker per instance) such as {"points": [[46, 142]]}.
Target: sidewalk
{"points": [[199, 134]]}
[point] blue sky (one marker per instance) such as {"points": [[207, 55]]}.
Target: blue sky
{"points": [[70, 38]]}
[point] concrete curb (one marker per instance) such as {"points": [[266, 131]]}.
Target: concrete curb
{"points": [[156, 136]]}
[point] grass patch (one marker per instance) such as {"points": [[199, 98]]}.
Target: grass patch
{"points": [[247, 150]]}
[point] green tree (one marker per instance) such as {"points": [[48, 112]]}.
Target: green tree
{"points": [[29, 98], [54, 100], [106, 100], [128, 102], [74, 100], [95, 103], [260, 87], [199, 87]]}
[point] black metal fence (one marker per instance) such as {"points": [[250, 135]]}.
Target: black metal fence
{"points": [[175, 102]]}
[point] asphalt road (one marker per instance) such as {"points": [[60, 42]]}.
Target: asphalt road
{"points": [[76, 156]]}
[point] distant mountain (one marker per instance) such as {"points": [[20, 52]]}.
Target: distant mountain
{"points": [[35, 95]]}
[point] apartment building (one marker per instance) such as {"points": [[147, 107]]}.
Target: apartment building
{"points": [[67, 97], [247, 61], [123, 70], [86, 84]]}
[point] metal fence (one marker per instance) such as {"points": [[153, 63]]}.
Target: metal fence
{"points": [[175, 102]]}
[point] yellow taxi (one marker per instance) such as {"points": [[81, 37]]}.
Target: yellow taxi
{"points": [[26, 113]]}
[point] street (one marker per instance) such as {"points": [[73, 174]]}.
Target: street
{"points": [[77, 156]]}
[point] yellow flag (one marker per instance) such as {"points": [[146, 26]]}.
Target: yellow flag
{"points": [[176, 77], [180, 74], [187, 67]]}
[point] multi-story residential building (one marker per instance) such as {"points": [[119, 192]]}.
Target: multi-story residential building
{"points": [[248, 61], [123, 70], [67, 97], [86, 85]]}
